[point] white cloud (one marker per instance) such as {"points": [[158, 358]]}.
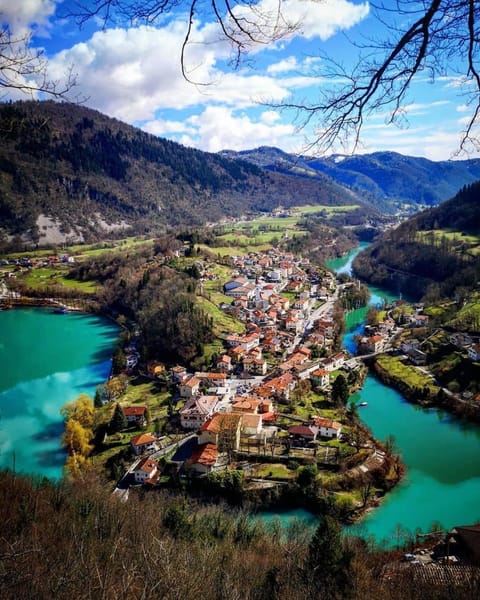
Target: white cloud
{"points": [[160, 127], [433, 142], [308, 19], [132, 73], [22, 15], [218, 128], [325, 18], [287, 64], [270, 117]]}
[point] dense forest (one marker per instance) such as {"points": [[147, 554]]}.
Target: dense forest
{"points": [[160, 299], [432, 255], [74, 539], [72, 169]]}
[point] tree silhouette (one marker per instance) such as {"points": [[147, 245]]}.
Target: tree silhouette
{"points": [[429, 39], [25, 69], [340, 391]]}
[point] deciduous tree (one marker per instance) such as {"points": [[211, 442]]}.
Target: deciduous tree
{"points": [[80, 410], [76, 438]]}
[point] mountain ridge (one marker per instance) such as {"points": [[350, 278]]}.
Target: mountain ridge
{"points": [[388, 181], [70, 168]]}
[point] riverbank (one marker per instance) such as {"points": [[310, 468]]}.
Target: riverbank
{"points": [[439, 451], [47, 360], [418, 387]]}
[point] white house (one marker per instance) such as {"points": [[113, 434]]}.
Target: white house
{"points": [[145, 442], [204, 458], [189, 388], [474, 352], [251, 424], [197, 410], [327, 428], [135, 414], [145, 470], [223, 430], [322, 376]]}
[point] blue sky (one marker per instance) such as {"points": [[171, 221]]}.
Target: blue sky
{"points": [[133, 73]]}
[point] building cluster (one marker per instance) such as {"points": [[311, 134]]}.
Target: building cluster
{"points": [[237, 403]]}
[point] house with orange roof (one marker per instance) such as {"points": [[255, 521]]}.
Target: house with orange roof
{"points": [[305, 370], [327, 427], [135, 415], [292, 323], [178, 374], [204, 458], [334, 362], [251, 424], [279, 387], [375, 343], [224, 363], [254, 365], [189, 387], [236, 353], [212, 378], [144, 442], [307, 433], [320, 377], [247, 404], [196, 411], [302, 305], [223, 430], [145, 470]]}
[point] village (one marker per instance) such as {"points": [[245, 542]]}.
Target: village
{"points": [[251, 407]]}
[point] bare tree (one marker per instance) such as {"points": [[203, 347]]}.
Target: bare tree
{"points": [[427, 39], [436, 38], [241, 22], [25, 69]]}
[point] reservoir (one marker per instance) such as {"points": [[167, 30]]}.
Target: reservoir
{"points": [[441, 453], [46, 359]]}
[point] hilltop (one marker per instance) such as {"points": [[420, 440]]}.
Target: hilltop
{"points": [[434, 254], [69, 173]]}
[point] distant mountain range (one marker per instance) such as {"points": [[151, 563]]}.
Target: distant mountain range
{"points": [[387, 180], [69, 173]]}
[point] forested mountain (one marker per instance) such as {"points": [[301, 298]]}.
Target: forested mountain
{"points": [[387, 180], [69, 171], [434, 254]]}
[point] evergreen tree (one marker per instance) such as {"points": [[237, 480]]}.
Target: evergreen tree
{"points": [[340, 391], [101, 395], [119, 361], [118, 422], [328, 563]]}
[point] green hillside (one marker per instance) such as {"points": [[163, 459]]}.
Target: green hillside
{"points": [[432, 255], [68, 173]]}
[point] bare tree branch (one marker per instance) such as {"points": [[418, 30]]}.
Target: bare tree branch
{"points": [[241, 23], [25, 69], [435, 39]]}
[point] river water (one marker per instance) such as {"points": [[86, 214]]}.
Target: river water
{"points": [[441, 453], [46, 360]]}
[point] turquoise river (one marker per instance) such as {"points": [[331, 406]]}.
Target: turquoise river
{"points": [[46, 359], [441, 453]]}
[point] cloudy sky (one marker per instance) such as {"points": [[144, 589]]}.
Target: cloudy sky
{"points": [[133, 72]]}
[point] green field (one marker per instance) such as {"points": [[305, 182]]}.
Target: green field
{"points": [[409, 375], [54, 276], [463, 242]]}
